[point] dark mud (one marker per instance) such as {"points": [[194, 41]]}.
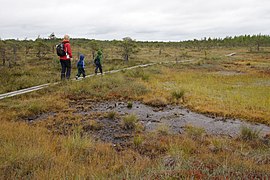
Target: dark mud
{"points": [[176, 118], [93, 117]]}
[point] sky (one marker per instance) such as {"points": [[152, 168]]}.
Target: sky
{"points": [[143, 20]]}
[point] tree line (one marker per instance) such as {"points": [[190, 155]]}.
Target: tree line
{"points": [[11, 50]]}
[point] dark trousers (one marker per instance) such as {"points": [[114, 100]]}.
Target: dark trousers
{"points": [[98, 66], [66, 69], [81, 71]]}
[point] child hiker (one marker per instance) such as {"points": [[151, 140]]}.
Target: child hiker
{"points": [[98, 61], [80, 66]]}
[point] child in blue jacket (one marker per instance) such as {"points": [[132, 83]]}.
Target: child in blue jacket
{"points": [[80, 66]]}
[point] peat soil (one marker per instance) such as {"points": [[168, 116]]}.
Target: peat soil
{"points": [[175, 118]]}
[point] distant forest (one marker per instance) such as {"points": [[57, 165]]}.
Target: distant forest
{"points": [[236, 41], [12, 50]]}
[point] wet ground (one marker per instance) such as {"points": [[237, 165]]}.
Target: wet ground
{"points": [[95, 121], [176, 118]]}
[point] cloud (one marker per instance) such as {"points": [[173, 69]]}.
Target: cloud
{"points": [[142, 20]]}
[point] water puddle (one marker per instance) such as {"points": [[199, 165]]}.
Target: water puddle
{"points": [[176, 118], [95, 121]]}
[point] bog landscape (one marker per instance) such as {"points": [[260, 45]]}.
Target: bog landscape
{"points": [[197, 109]]}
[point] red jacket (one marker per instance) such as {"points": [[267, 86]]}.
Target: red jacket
{"points": [[68, 50]]}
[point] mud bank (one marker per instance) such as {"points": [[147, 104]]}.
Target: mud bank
{"points": [[176, 118]]}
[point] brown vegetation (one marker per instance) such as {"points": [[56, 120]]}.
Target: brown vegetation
{"points": [[42, 135]]}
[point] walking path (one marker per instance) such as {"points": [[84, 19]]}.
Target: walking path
{"points": [[35, 88]]}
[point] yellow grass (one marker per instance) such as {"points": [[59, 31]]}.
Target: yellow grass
{"points": [[33, 153], [243, 95], [57, 148]]}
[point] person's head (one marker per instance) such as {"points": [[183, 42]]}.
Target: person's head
{"points": [[66, 37], [81, 57], [99, 52]]}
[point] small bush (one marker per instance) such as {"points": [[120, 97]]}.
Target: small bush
{"points": [[129, 121], [248, 134]]}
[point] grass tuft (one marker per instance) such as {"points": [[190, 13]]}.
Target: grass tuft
{"points": [[248, 134], [129, 121], [179, 94], [112, 115], [156, 102], [195, 132], [129, 105], [163, 129], [138, 140]]}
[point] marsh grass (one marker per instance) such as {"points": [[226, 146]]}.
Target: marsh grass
{"points": [[94, 125], [218, 145], [139, 73], [249, 134], [195, 132], [138, 140], [163, 129], [26, 106], [129, 121], [156, 101], [25, 76], [129, 104], [24, 150], [112, 115], [28, 152], [77, 146], [56, 149], [178, 94], [105, 87], [219, 94]]}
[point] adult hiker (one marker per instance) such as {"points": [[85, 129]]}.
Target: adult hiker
{"points": [[80, 66], [66, 59], [98, 62]]}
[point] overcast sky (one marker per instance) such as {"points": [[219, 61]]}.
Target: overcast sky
{"points": [[152, 20]]}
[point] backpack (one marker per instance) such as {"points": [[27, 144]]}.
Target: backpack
{"points": [[97, 60], [60, 49]]}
